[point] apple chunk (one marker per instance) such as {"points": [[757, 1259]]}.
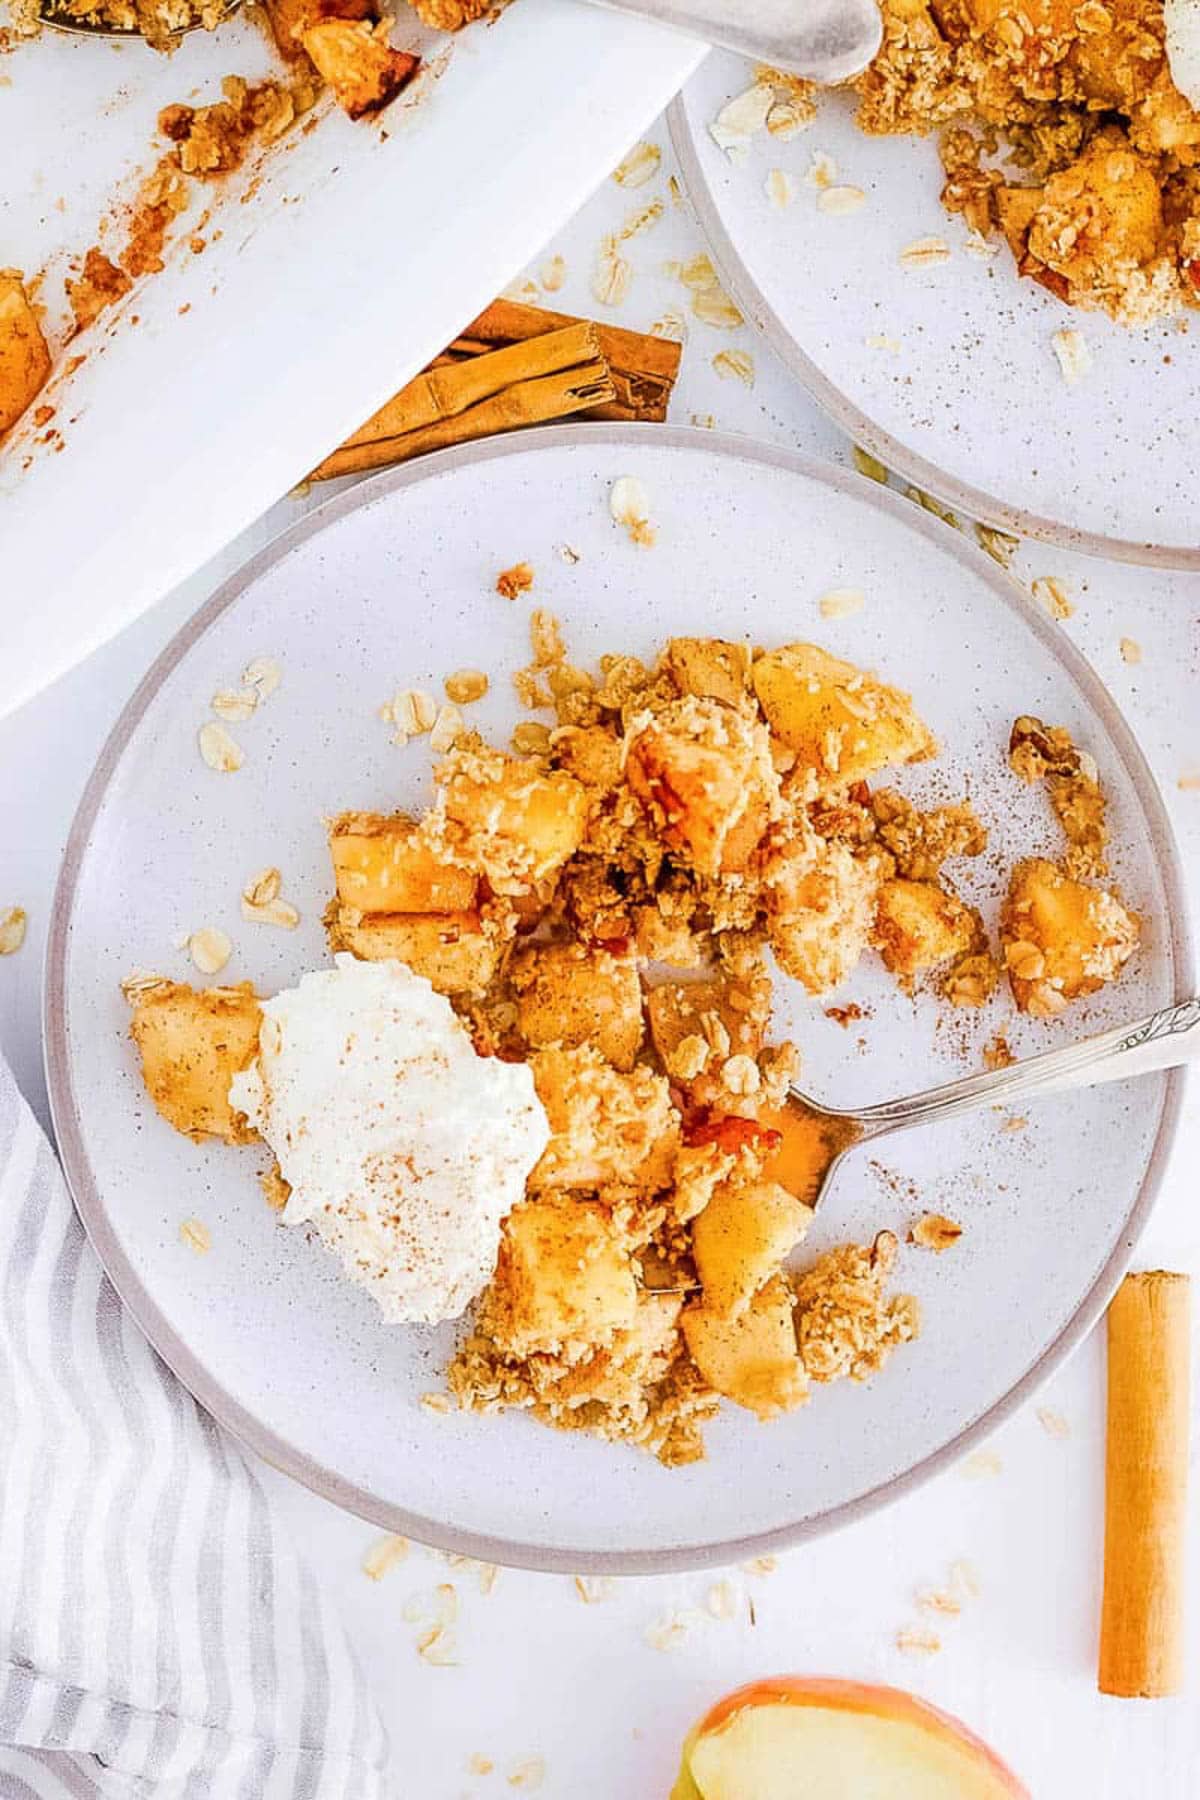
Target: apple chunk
{"points": [[810, 1738]]}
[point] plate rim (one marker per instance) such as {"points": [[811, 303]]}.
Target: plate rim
{"points": [[989, 508], [255, 1433]]}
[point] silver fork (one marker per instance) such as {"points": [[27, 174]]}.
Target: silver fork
{"points": [[1165, 1040]]}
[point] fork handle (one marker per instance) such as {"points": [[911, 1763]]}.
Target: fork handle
{"points": [[1163, 1041], [825, 40]]}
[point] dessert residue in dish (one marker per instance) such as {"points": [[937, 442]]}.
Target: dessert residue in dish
{"points": [[601, 911]]}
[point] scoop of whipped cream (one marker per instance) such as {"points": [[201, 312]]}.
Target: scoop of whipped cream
{"points": [[403, 1147], [1182, 20]]}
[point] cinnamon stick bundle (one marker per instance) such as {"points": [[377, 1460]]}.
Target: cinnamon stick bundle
{"points": [[1142, 1625], [513, 366]]}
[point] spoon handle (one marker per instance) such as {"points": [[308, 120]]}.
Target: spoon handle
{"points": [[826, 40], [1163, 1041]]}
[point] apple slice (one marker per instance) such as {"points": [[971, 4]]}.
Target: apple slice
{"points": [[796, 1737]]}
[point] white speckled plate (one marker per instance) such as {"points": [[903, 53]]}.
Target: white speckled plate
{"points": [[393, 583], [948, 373]]}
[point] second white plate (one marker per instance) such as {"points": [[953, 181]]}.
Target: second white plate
{"points": [[392, 585], [948, 373]]}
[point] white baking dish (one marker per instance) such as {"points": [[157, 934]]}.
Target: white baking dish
{"points": [[358, 251]]}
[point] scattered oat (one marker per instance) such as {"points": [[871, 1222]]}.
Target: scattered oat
{"points": [[445, 1596], [436, 1647], [262, 904], [1015, 1122], [1189, 781], [234, 704], [979, 246], [196, 1236], [915, 1640], [931, 504], [721, 1600], [263, 675], [780, 188], [528, 1775], [448, 727], [787, 118], [879, 340], [735, 365], [704, 421], [740, 118], [1052, 596], [934, 1231], [612, 275], [841, 603], [714, 307], [436, 1403], [1074, 356], [479, 1764], [13, 925], [639, 167], [210, 949], [465, 685], [592, 1589], [567, 552], [761, 1565], [938, 1600], [629, 505], [488, 1575], [641, 219], [530, 738], [668, 1633], [519, 579], [411, 711], [675, 190], [219, 750], [1001, 546], [840, 200], [822, 171], [868, 465], [524, 290], [1131, 650], [1053, 1423], [980, 1464], [384, 1555], [696, 274], [924, 252], [671, 324], [965, 1577], [553, 274], [414, 1610]]}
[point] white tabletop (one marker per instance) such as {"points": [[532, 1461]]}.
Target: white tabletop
{"points": [[583, 1687]]}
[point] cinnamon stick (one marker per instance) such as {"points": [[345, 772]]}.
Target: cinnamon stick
{"points": [[524, 403], [1142, 1626], [445, 390], [644, 367]]}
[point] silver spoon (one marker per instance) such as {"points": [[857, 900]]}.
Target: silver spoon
{"points": [[826, 41]]}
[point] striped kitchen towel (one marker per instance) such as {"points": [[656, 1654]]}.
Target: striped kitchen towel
{"points": [[159, 1637]]}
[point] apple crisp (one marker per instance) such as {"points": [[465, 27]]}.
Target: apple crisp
{"points": [[604, 907], [1061, 131]]}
